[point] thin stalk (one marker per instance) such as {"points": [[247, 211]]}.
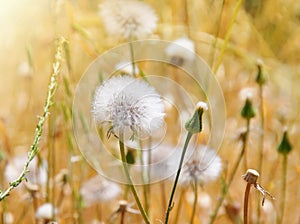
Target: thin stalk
{"points": [[283, 193], [216, 34], [122, 219], [236, 165], [39, 128], [182, 192], [170, 205], [128, 177], [163, 195], [195, 200], [224, 46], [186, 18], [246, 199], [132, 58], [261, 143]]}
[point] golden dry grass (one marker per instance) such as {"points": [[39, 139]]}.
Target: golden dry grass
{"points": [[270, 32]]}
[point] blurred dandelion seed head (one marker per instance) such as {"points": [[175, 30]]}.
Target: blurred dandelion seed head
{"points": [[45, 211], [204, 166], [181, 51], [97, 190], [129, 105], [128, 18]]}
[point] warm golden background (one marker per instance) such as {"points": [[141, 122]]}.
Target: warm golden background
{"points": [[263, 29]]}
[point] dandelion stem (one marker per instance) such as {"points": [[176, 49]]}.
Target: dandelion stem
{"points": [[39, 128], [224, 46], [195, 200], [246, 198], [261, 142], [128, 177], [236, 165], [132, 58], [283, 193], [170, 205]]}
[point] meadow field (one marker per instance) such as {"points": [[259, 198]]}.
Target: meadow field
{"points": [[224, 73]]}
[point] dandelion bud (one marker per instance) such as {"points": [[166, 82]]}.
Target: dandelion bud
{"points": [[130, 158], [248, 111], [285, 146], [261, 77], [194, 125]]}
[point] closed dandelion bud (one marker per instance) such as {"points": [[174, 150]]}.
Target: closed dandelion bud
{"points": [[248, 111], [285, 146], [130, 157], [194, 125], [261, 77]]}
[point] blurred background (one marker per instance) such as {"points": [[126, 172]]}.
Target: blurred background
{"points": [[231, 36]]}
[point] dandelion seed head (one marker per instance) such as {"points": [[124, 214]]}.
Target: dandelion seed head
{"points": [[129, 105], [37, 172], [45, 211], [204, 166], [181, 51], [128, 18], [98, 189]]}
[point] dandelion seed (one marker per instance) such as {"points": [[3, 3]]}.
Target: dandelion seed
{"points": [[128, 18], [129, 105], [45, 212], [98, 189], [204, 166], [181, 51]]}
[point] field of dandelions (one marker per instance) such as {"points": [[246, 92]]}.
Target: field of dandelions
{"points": [[252, 48]]}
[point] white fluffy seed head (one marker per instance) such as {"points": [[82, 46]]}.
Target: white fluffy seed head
{"points": [[128, 18], [204, 166], [45, 211], [129, 105]]}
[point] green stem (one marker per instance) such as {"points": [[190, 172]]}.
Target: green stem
{"points": [[246, 199], [224, 46], [195, 201], [128, 177], [39, 128], [170, 205], [236, 165], [283, 193]]}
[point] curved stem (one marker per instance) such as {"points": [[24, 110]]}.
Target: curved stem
{"points": [[195, 201], [170, 205], [128, 177], [246, 199]]}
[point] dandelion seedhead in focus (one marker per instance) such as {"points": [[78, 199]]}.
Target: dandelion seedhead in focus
{"points": [[98, 189], [129, 19], [129, 105], [204, 166]]}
